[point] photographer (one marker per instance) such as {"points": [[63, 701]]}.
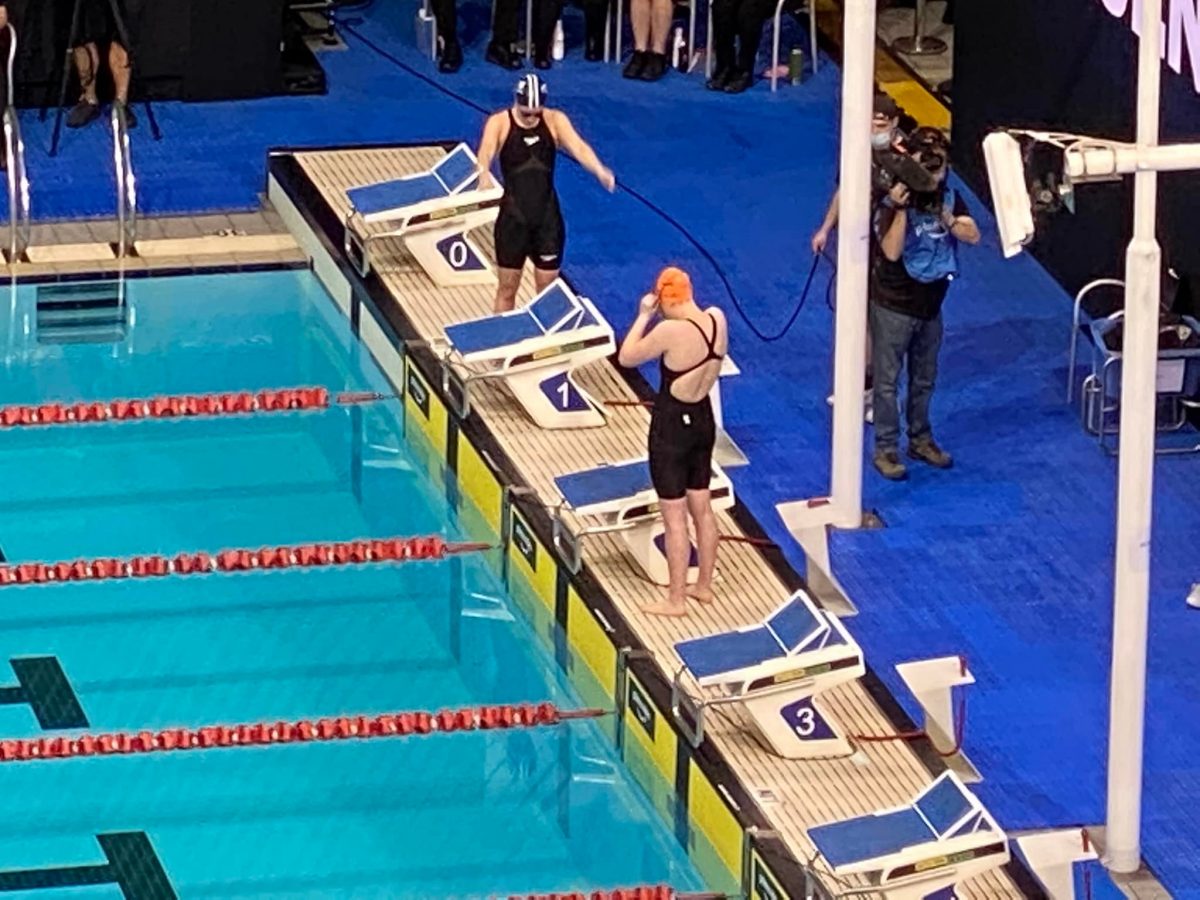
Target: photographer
{"points": [[914, 259]]}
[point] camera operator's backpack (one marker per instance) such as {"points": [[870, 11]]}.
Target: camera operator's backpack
{"points": [[930, 250]]}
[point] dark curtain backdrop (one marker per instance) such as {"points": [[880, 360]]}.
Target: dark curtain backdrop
{"points": [[186, 49], [1069, 65]]}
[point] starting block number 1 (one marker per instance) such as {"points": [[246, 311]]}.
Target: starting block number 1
{"points": [[459, 255], [564, 395]]}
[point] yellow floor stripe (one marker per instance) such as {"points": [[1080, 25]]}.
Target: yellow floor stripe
{"points": [[913, 96]]}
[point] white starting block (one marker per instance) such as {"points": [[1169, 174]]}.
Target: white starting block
{"points": [[932, 682], [433, 213], [920, 851], [535, 351], [726, 452], [1067, 865], [776, 670], [621, 496]]}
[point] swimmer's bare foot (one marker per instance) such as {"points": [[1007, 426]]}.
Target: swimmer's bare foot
{"points": [[703, 596], [665, 608]]}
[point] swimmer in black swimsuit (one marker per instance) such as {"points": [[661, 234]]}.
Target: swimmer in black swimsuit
{"points": [[690, 344], [527, 138]]}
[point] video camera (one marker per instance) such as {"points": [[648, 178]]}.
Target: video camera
{"points": [[926, 155]]}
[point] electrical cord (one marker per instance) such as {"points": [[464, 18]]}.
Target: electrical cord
{"points": [[349, 26]]}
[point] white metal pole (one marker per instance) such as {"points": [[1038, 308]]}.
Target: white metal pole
{"points": [[1131, 607], [854, 223]]}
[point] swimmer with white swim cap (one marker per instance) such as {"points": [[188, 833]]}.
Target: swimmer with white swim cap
{"points": [[527, 138]]}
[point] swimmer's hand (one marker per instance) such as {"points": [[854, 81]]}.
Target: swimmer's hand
{"points": [[607, 178], [649, 304]]}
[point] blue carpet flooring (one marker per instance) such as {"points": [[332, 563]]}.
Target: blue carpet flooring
{"points": [[1006, 559]]}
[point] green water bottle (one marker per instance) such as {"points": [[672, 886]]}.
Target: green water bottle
{"points": [[796, 66]]}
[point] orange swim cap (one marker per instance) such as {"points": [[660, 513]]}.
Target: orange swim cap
{"points": [[673, 286]]}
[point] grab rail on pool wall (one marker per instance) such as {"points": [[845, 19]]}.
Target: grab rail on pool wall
{"points": [[19, 226], [126, 182]]}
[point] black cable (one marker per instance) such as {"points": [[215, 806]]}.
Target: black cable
{"points": [[348, 27]]}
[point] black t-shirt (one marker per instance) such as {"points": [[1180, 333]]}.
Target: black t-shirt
{"points": [[893, 288]]}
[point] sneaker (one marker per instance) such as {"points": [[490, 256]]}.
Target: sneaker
{"points": [[83, 113], [452, 59], [887, 463], [927, 451], [655, 68], [636, 64], [504, 57], [1193, 599]]}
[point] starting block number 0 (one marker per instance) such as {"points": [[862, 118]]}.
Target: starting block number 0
{"points": [[458, 254]]}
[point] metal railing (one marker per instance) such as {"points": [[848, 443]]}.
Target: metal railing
{"points": [[19, 224], [126, 182]]}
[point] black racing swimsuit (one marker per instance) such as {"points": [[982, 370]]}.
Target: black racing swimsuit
{"points": [[682, 434], [529, 224]]}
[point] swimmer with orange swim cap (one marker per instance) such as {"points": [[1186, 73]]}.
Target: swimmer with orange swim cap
{"points": [[689, 344]]}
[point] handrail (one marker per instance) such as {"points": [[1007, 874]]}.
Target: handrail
{"points": [[126, 182], [19, 224]]}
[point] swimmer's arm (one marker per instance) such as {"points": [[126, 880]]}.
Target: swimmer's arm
{"points": [[489, 144], [641, 346], [568, 139]]}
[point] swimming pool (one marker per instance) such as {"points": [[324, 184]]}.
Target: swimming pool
{"points": [[438, 816]]}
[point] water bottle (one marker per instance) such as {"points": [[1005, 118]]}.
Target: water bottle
{"points": [[679, 50], [796, 66], [559, 48]]}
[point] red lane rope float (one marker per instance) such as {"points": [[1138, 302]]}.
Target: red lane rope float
{"points": [[341, 553], [649, 892], [234, 403], [475, 718]]}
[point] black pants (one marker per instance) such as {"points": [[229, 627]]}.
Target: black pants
{"points": [[506, 17], [742, 20]]}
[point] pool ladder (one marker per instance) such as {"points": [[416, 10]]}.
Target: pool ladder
{"points": [[19, 224], [126, 182]]}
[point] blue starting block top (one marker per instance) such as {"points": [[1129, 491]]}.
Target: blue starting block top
{"points": [[457, 168], [729, 651], [492, 333], [870, 837], [605, 484], [373, 199]]}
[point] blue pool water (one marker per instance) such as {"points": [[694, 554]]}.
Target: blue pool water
{"points": [[441, 816]]}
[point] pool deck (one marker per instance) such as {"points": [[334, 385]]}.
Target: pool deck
{"points": [[792, 795]]}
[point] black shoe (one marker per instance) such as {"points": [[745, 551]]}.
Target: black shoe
{"points": [[504, 57], [655, 68], [541, 61], [593, 49], [738, 82], [131, 119], [83, 113], [719, 79], [452, 59], [636, 64]]}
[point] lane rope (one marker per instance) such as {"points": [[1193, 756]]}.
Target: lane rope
{"points": [[229, 403], [257, 734], [338, 553]]}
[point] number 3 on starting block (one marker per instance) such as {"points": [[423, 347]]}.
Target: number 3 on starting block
{"points": [[806, 722], [459, 255]]}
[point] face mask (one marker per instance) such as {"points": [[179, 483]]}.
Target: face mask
{"points": [[881, 140]]}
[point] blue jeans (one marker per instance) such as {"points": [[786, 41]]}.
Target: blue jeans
{"points": [[896, 339]]}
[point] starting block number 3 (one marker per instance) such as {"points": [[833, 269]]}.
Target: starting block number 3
{"points": [[804, 721], [563, 394], [459, 255]]}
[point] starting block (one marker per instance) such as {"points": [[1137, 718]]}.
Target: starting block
{"points": [[432, 212], [932, 682], [776, 670], [535, 351], [920, 851], [622, 498]]}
